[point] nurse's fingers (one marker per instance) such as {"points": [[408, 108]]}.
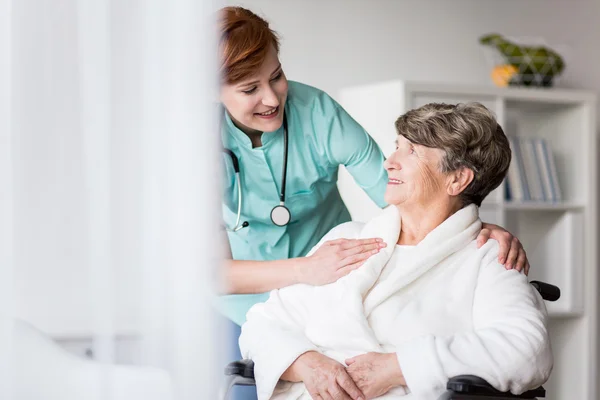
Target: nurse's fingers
{"points": [[349, 268], [361, 248], [361, 242], [356, 258], [346, 244], [513, 253], [483, 237], [521, 261]]}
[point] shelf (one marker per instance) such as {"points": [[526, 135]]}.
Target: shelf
{"points": [[543, 206], [522, 95]]}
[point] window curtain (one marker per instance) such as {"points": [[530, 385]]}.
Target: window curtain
{"points": [[109, 158]]}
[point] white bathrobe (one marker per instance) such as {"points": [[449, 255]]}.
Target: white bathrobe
{"points": [[454, 310]]}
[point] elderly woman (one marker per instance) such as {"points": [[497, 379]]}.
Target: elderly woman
{"points": [[429, 306]]}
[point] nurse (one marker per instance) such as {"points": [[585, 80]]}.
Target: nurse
{"points": [[289, 139]]}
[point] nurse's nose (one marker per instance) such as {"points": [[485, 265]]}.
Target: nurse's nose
{"points": [[270, 98]]}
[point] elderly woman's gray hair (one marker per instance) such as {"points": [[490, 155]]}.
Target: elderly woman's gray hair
{"points": [[470, 136]]}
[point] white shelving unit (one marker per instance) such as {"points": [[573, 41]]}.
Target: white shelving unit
{"points": [[560, 238]]}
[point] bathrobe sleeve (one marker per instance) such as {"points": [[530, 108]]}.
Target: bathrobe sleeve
{"points": [[274, 333], [508, 345]]}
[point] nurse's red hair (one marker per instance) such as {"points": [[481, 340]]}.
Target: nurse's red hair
{"points": [[245, 40]]}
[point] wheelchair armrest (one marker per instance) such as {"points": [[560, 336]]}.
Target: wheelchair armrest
{"points": [[243, 368], [475, 386], [549, 292]]}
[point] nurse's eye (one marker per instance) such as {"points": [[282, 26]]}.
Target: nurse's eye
{"points": [[250, 91], [412, 150], [277, 77]]}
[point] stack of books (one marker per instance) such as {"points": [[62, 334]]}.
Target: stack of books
{"points": [[532, 172]]}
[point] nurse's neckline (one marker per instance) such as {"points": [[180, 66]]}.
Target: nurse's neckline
{"points": [[253, 134], [254, 137]]}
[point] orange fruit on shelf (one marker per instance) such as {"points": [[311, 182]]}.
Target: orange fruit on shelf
{"points": [[502, 74]]}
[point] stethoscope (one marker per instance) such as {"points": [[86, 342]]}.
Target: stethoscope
{"points": [[280, 214]]}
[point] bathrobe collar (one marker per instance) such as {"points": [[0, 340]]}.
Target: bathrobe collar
{"points": [[450, 236]]}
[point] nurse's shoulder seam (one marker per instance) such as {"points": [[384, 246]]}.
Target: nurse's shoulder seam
{"points": [[309, 96]]}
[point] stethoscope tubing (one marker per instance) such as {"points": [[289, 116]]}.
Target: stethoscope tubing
{"points": [[236, 168]]}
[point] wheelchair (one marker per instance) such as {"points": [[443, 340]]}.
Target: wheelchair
{"points": [[463, 387]]}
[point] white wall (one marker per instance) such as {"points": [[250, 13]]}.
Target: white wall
{"points": [[335, 43]]}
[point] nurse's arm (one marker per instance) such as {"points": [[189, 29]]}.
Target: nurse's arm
{"points": [[348, 144], [248, 277]]}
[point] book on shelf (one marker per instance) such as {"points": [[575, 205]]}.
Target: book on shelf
{"points": [[532, 173]]}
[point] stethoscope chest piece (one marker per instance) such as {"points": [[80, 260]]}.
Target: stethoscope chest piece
{"points": [[280, 215]]}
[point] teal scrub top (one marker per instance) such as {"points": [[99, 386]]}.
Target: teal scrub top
{"points": [[321, 137]]}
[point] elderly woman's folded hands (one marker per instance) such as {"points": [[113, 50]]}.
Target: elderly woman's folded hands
{"points": [[366, 377], [375, 374], [324, 378]]}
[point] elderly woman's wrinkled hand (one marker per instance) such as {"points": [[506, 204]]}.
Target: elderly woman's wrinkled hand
{"points": [[375, 374], [325, 378], [512, 254]]}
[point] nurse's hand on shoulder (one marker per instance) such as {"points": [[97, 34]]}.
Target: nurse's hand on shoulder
{"points": [[336, 259], [511, 254]]}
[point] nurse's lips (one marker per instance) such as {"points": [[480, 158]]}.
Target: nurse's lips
{"points": [[395, 182], [269, 114]]}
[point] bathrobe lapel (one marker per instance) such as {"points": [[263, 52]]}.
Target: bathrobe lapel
{"points": [[452, 235]]}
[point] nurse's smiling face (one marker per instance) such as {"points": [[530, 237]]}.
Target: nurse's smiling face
{"points": [[256, 104]]}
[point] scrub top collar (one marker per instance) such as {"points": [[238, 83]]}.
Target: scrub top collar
{"points": [[243, 139]]}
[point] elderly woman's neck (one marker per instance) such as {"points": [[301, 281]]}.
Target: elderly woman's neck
{"points": [[418, 221]]}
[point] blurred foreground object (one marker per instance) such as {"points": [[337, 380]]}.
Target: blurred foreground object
{"points": [[522, 64], [43, 370]]}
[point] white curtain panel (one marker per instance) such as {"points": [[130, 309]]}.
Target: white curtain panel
{"points": [[179, 192], [6, 202], [109, 168], [93, 27]]}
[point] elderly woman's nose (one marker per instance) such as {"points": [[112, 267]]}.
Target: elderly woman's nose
{"points": [[387, 164], [392, 162]]}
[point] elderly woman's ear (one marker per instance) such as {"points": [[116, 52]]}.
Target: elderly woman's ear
{"points": [[459, 180]]}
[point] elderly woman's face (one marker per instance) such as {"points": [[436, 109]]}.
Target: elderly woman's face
{"points": [[414, 174]]}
